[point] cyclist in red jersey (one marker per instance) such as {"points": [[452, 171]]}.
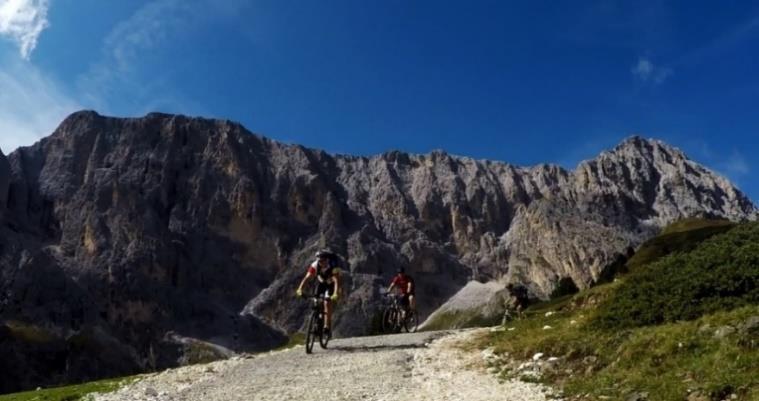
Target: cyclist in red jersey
{"points": [[407, 288]]}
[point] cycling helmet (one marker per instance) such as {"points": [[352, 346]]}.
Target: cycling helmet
{"points": [[401, 270], [323, 253]]}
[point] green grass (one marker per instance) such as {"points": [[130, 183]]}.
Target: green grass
{"points": [[71, 393], [653, 330], [666, 360]]}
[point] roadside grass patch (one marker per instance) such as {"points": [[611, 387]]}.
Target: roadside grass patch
{"points": [[667, 361], [73, 392]]}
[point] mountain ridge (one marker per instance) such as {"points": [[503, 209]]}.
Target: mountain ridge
{"points": [[198, 227]]}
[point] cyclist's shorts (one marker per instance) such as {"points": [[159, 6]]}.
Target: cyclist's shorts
{"points": [[405, 300], [322, 288]]}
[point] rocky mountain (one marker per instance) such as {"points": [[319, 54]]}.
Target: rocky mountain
{"points": [[139, 243]]}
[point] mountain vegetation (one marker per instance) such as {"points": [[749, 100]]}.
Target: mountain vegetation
{"points": [[684, 325]]}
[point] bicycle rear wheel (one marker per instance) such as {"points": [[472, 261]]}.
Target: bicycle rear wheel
{"points": [[311, 332], [411, 322]]}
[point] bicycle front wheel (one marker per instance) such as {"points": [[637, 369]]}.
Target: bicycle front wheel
{"points": [[411, 322], [311, 333]]}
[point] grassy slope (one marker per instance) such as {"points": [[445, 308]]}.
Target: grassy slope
{"points": [[681, 236], [668, 361]]}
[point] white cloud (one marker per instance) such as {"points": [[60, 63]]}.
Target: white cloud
{"points": [[121, 74], [646, 71], [643, 69], [736, 164], [123, 49], [121, 69], [31, 105], [23, 21]]}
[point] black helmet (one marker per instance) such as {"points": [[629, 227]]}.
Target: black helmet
{"points": [[324, 253], [401, 270]]}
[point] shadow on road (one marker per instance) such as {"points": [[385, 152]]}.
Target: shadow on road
{"points": [[374, 348]]}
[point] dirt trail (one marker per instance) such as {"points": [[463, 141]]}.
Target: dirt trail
{"points": [[420, 366]]}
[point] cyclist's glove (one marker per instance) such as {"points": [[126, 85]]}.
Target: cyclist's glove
{"points": [[334, 297], [299, 292]]}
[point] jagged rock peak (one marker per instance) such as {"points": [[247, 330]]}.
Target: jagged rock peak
{"points": [[641, 147]]}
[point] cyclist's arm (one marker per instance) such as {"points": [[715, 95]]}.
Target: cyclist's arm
{"points": [[305, 278], [337, 282], [392, 284]]}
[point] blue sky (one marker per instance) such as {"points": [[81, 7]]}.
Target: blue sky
{"points": [[524, 82]]}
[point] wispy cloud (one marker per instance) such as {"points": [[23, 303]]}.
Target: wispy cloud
{"points": [[731, 164], [31, 105], [645, 71], [22, 21], [736, 164], [732, 38], [118, 70], [153, 28]]}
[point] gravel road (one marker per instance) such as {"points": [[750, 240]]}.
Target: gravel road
{"points": [[419, 366]]}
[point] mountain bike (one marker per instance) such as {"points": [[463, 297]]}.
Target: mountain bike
{"points": [[315, 326], [397, 317]]}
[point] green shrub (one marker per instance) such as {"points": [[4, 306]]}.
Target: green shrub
{"points": [[721, 273]]}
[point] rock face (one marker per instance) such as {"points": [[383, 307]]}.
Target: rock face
{"points": [[5, 180], [142, 230]]}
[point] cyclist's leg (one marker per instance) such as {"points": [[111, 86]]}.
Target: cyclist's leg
{"points": [[327, 314], [412, 302], [322, 289], [404, 305], [328, 311]]}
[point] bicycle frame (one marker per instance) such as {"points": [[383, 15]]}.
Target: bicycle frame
{"points": [[396, 316], [315, 322]]}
